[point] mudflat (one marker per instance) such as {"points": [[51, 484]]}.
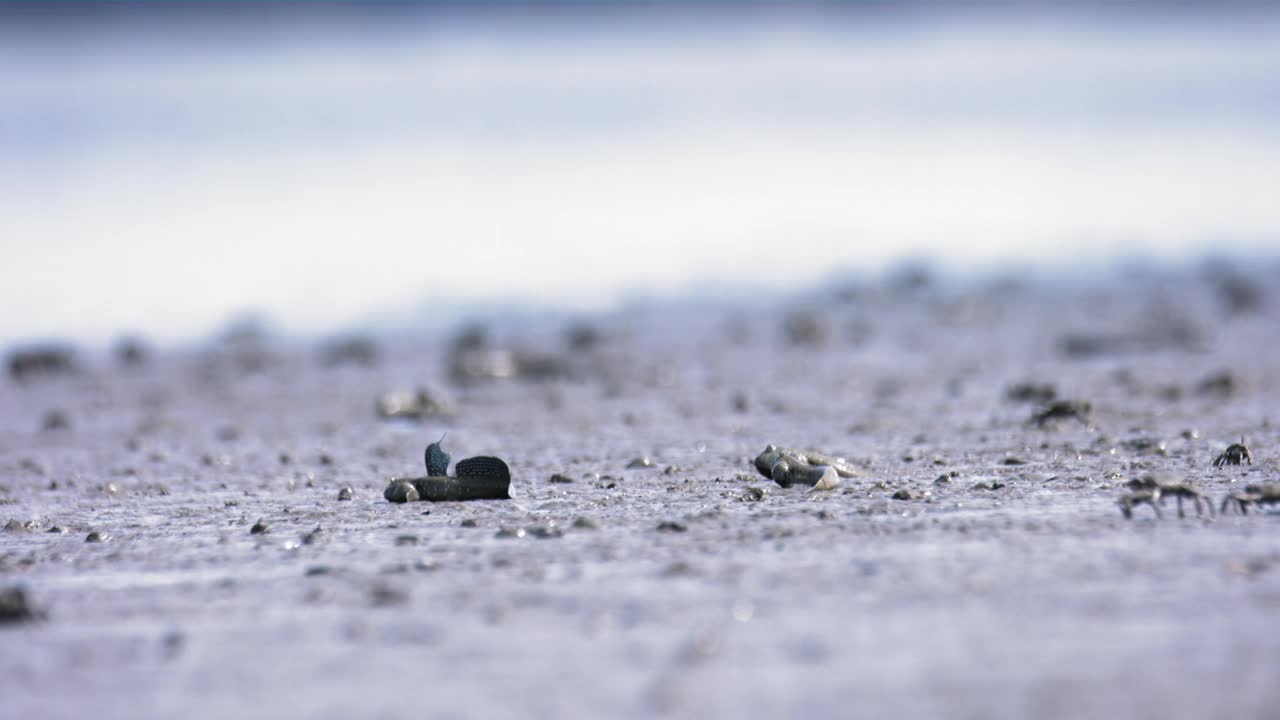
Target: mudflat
{"points": [[975, 565]]}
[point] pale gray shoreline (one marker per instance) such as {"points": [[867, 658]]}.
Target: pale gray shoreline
{"points": [[1009, 590]]}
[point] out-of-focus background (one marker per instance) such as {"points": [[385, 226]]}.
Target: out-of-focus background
{"points": [[329, 166]]}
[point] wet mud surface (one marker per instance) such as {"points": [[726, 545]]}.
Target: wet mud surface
{"points": [[977, 565]]}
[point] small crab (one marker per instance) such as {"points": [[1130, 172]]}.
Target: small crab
{"points": [[1063, 410], [1252, 495], [1150, 496], [1235, 454], [1169, 488]]}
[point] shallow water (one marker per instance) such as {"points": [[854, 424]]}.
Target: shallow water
{"points": [[1035, 598]]}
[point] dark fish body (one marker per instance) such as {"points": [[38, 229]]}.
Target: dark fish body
{"points": [[437, 459]]}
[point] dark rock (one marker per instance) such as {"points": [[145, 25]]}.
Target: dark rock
{"points": [[561, 479], [510, 532], [640, 463], [902, 495], [1222, 384], [805, 328], [416, 405], [316, 535], [582, 338], [130, 352], [97, 537], [352, 350], [55, 420], [41, 360], [259, 528], [16, 607], [755, 494], [469, 523], [546, 532], [670, 526], [583, 522], [345, 493], [1039, 393]]}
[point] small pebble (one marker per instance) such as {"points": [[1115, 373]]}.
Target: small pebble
{"points": [[544, 532], [585, 523], [671, 526], [510, 532], [755, 494], [640, 462], [403, 540], [314, 536], [561, 479], [469, 523], [902, 495], [345, 493], [97, 537], [258, 528]]}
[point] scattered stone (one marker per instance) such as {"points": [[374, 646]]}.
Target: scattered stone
{"points": [[22, 525], [345, 493], [403, 540], [417, 405], [755, 494], [130, 352], [259, 528], [510, 532], [561, 479], [316, 535], [582, 338], [903, 494], [988, 485], [41, 361], [1222, 384], [97, 537], [583, 522], [942, 480], [469, 523], [805, 328], [383, 595], [401, 491], [55, 420], [1040, 394], [640, 463], [670, 526], [1011, 460], [546, 532], [16, 607], [351, 350]]}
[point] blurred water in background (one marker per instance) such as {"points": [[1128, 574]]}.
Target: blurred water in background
{"points": [[161, 168]]}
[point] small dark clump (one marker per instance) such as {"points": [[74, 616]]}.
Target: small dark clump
{"points": [[42, 360], [1039, 393], [670, 526], [561, 479], [259, 528], [16, 607]]}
